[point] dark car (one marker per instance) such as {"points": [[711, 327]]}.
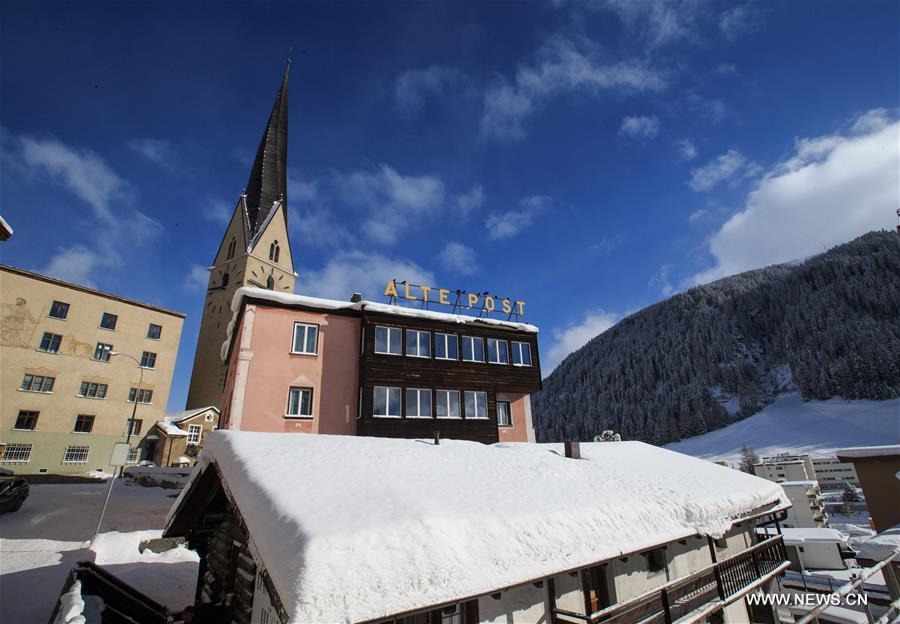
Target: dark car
{"points": [[13, 492]]}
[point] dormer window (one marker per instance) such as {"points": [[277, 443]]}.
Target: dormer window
{"points": [[274, 251], [231, 248]]}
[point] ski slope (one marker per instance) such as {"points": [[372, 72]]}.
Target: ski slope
{"points": [[790, 425]]}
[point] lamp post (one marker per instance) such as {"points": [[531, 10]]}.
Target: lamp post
{"points": [[137, 396]]}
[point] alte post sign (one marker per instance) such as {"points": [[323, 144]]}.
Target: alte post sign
{"points": [[463, 299]]}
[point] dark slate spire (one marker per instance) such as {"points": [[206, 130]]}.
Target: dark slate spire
{"points": [[268, 178]]}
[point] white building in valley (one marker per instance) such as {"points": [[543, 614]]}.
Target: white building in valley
{"points": [[313, 528], [807, 507], [828, 471]]}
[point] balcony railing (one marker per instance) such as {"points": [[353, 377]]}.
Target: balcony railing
{"points": [[718, 582]]}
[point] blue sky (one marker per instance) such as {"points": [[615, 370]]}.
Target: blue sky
{"points": [[589, 159]]}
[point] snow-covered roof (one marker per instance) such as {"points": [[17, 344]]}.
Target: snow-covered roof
{"points": [[793, 537], [170, 429], [177, 417], [871, 451], [333, 304], [880, 546], [380, 526], [803, 483]]}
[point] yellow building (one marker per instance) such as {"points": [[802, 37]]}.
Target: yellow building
{"points": [[68, 382]]}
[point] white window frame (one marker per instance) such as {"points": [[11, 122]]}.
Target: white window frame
{"points": [[478, 415], [418, 403], [35, 386], [418, 353], [390, 342], [517, 348], [150, 330], [508, 405], [151, 359], [77, 457], [66, 311], [445, 339], [464, 356], [387, 402], [53, 343], [306, 327], [139, 395], [299, 391], [115, 318], [459, 403], [17, 453], [195, 432], [498, 341], [102, 351], [85, 392]]}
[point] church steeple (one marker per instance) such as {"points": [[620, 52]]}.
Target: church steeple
{"points": [[268, 178]]}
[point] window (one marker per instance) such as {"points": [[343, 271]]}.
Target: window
{"points": [[134, 455], [92, 390], [656, 560], [418, 403], [274, 251], [497, 351], [76, 455], [387, 340], [59, 310], [504, 415], [84, 423], [300, 402], [50, 342], [37, 383], [154, 331], [476, 404], [194, 433], [445, 346], [472, 349], [448, 404], [108, 321], [231, 245], [143, 395], [418, 343], [305, 338], [17, 453], [133, 427], [521, 354], [102, 351], [26, 420], [148, 359], [386, 402]]}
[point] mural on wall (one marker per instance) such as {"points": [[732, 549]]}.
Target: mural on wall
{"points": [[17, 324]]}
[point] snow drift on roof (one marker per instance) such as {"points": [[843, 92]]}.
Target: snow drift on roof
{"points": [[881, 546], [170, 429], [333, 304], [356, 528], [870, 451], [177, 417]]}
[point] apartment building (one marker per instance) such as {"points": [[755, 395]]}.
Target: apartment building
{"points": [[75, 362], [830, 472], [807, 507]]}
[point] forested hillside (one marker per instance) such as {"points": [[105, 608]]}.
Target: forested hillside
{"points": [[828, 326]]}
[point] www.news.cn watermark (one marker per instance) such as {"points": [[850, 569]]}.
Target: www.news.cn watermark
{"points": [[808, 600]]}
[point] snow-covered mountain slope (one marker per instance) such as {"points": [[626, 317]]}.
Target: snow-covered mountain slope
{"points": [[794, 426]]}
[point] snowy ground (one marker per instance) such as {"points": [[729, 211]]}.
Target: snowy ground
{"points": [[794, 426], [40, 543]]}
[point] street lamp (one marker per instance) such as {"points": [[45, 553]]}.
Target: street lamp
{"points": [[137, 396]]}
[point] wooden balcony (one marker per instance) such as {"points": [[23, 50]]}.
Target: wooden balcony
{"points": [[723, 582]]}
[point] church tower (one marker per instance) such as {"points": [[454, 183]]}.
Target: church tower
{"points": [[255, 251]]}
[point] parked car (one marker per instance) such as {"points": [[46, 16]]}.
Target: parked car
{"points": [[13, 492]]}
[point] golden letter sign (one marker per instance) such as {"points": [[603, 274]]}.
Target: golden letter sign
{"points": [[486, 302]]}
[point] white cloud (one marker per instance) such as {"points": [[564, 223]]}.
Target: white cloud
{"points": [[394, 201], [640, 127], [355, 271], [713, 109], [833, 188], [701, 214], [316, 226], [304, 191], [457, 257], [872, 121], [218, 211], [726, 69], [660, 280], [78, 264], [655, 23], [686, 149], [717, 170], [197, 279], [158, 151], [738, 20], [575, 336], [467, 203], [414, 86], [81, 171], [510, 223], [560, 66]]}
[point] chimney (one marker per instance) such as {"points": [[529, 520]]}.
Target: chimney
{"points": [[573, 450], [356, 297]]}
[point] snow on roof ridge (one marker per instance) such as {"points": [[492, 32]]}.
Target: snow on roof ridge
{"points": [[334, 304], [436, 538], [870, 451], [175, 417]]}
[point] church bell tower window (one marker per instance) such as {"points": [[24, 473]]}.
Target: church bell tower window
{"points": [[273, 251]]}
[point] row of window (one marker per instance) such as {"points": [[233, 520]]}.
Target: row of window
{"points": [[388, 402], [50, 343], [74, 454], [88, 389], [84, 423], [60, 310], [389, 341]]}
